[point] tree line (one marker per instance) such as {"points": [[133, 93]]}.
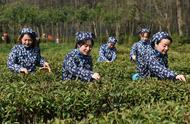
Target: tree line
{"points": [[62, 18]]}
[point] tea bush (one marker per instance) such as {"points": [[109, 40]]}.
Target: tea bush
{"points": [[45, 98]]}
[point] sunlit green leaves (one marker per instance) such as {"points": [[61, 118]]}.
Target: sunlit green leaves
{"points": [[44, 97]]}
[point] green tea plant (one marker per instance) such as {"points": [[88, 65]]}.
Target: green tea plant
{"points": [[45, 98]]}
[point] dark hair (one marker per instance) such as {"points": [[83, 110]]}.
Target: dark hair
{"points": [[82, 42], [157, 42], [32, 36], [142, 34]]}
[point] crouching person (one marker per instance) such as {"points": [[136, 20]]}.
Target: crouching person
{"points": [[78, 63], [25, 56], [156, 63], [107, 52]]}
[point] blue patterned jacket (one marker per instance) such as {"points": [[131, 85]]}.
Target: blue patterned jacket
{"points": [[107, 54], [156, 65], [140, 49], [77, 66], [24, 57]]}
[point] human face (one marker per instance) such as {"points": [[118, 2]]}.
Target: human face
{"points": [[86, 48], [145, 36], [111, 45], [26, 40], [163, 46]]}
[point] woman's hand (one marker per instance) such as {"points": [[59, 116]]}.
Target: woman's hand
{"points": [[133, 58], [46, 67], [181, 78], [24, 71], [96, 76]]}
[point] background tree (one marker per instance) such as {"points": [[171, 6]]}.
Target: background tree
{"points": [[109, 17], [179, 17]]}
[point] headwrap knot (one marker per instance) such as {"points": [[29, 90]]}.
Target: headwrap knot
{"points": [[112, 40], [144, 30], [26, 30], [84, 36], [159, 36]]}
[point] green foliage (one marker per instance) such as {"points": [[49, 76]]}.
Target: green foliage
{"points": [[132, 39], [45, 98], [82, 14], [20, 14], [181, 40]]}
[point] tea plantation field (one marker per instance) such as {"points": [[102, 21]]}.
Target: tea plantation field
{"points": [[116, 99]]}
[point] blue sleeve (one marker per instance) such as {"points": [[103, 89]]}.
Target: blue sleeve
{"points": [[11, 62], [133, 50], [42, 61], [102, 52], [114, 56], [160, 70], [166, 61], [71, 66]]}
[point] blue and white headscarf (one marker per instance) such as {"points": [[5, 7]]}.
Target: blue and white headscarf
{"points": [[159, 36], [26, 30], [144, 30], [84, 36], [112, 40]]}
